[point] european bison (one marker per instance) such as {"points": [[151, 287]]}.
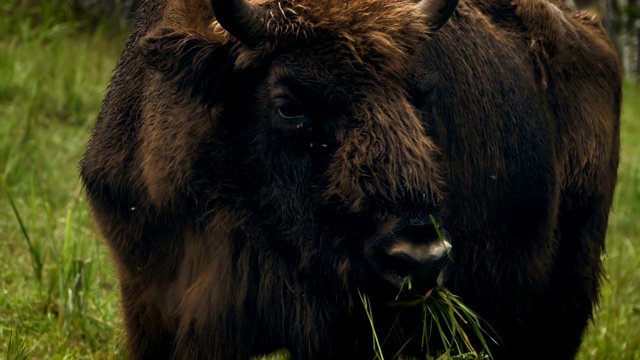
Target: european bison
{"points": [[252, 173]]}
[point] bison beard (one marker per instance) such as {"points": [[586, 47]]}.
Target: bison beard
{"points": [[252, 173]]}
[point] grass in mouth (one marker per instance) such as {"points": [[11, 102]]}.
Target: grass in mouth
{"points": [[444, 315]]}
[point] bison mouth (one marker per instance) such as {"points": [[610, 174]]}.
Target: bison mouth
{"points": [[405, 265], [416, 269]]}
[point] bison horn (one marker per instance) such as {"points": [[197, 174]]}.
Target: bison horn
{"points": [[241, 19], [438, 12]]}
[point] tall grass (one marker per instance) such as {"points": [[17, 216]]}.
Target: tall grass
{"points": [[59, 295], [614, 333]]}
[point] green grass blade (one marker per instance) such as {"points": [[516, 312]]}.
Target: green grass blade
{"points": [[367, 307], [36, 256]]}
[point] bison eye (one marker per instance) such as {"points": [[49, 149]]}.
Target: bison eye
{"points": [[290, 110], [290, 117]]}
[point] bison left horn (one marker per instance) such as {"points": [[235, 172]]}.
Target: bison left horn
{"points": [[241, 19], [438, 12]]}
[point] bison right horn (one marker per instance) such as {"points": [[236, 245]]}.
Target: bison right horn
{"points": [[438, 12], [241, 19]]}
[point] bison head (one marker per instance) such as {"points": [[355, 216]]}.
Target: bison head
{"points": [[307, 132]]}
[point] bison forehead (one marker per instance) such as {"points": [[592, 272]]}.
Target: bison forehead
{"points": [[378, 33]]}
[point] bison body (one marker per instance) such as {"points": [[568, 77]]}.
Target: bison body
{"points": [[252, 174]]}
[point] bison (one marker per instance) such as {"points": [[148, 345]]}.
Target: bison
{"points": [[256, 165]]}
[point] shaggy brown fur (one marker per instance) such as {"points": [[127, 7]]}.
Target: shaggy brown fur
{"points": [[247, 190]]}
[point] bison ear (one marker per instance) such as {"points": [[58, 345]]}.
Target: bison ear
{"points": [[438, 12], [197, 65]]}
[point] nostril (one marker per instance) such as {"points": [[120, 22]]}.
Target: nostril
{"points": [[400, 263]]}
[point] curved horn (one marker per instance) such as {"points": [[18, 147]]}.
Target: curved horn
{"points": [[241, 19], [438, 12]]}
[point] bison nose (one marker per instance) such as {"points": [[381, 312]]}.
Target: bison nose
{"points": [[416, 267]]}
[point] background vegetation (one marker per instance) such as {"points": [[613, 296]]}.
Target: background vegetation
{"points": [[621, 18], [58, 295]]}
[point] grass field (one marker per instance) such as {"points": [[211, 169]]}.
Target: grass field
{"points": [[59, 291]]}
